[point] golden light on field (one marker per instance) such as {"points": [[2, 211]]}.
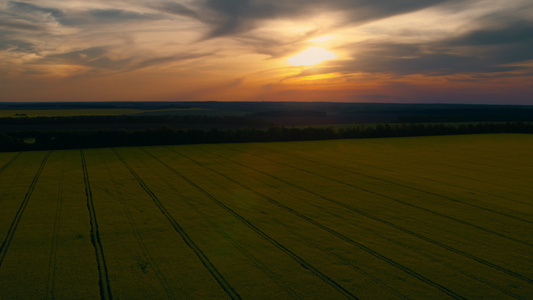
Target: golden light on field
{"points": [[311, 56]]}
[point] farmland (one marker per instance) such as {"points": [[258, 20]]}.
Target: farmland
{"points": [[425, 217]]}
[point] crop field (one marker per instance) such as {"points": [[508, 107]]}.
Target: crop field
{"points": [[398, 218]]}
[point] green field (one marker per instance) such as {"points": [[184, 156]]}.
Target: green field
{"points": [[424, 218]]}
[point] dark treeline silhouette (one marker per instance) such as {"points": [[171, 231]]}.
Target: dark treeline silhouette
{"points": [[133, 119], [165, 135]]}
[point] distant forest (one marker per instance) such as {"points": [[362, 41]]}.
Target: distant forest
{"points": [[165, 135], [175, 123]]}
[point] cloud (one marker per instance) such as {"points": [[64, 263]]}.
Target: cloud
{"points": [[234, 17], [16, 45], [383, 58], [26, 16], [94, 57], [513, 32], [501, 44], [100, 59], [168, 59], [20, 25], [491, 47], [28, 8]]}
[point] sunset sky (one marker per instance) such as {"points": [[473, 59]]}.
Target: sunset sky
{"points": [[436, 51]]}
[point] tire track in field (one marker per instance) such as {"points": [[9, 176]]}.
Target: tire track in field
{"points": [[103, 277], [355, 268], [337, 234], [471, 162], [449, 184], [271, 240], [372, 278], [255, 261], [136, 233], [7, 164], [397, 184], [460, 176], [190, 243], [11, 232], [437, 181], [400, 201], [313, 222], [55, 233], [347, 262], [397, 227]]}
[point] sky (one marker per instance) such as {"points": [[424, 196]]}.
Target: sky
{"points": [[409, 51]]}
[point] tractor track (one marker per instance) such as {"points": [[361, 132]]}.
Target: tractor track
{"points": [[271, 240], [254, 260], [341, 236], [456, 174], [393, 183], [55, 233], [7, 164], [397, 227], [355, 268], [447, 184], [103, 276], [186, 238], [11, 232], [305, 217], [401, 201], [137, 235]]}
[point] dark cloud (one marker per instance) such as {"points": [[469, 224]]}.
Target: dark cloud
{"points": [[32, 8], [515, 32], [16, 45], [105, 17], [420, 62], [25, 17], [498, 48], [98, 58], [501, 44], [234, 17], [168, 59], [94, 57], [117, 15], [20, 25], [29, 16]]}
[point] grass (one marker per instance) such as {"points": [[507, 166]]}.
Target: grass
{"points": [[421, 217]]}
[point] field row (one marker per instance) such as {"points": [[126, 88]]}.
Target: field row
{"points": [[439, 217]]}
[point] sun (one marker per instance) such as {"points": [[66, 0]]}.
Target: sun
{"points": [[311, 56]]}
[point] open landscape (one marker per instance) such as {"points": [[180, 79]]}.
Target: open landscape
{"points": [[252, 149], [420, 217]]}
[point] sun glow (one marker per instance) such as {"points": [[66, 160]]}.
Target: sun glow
{"points": [[311, 56], [322, 39]]}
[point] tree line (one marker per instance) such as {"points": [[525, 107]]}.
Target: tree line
{"points": [[132, 119], [165, 135]]}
